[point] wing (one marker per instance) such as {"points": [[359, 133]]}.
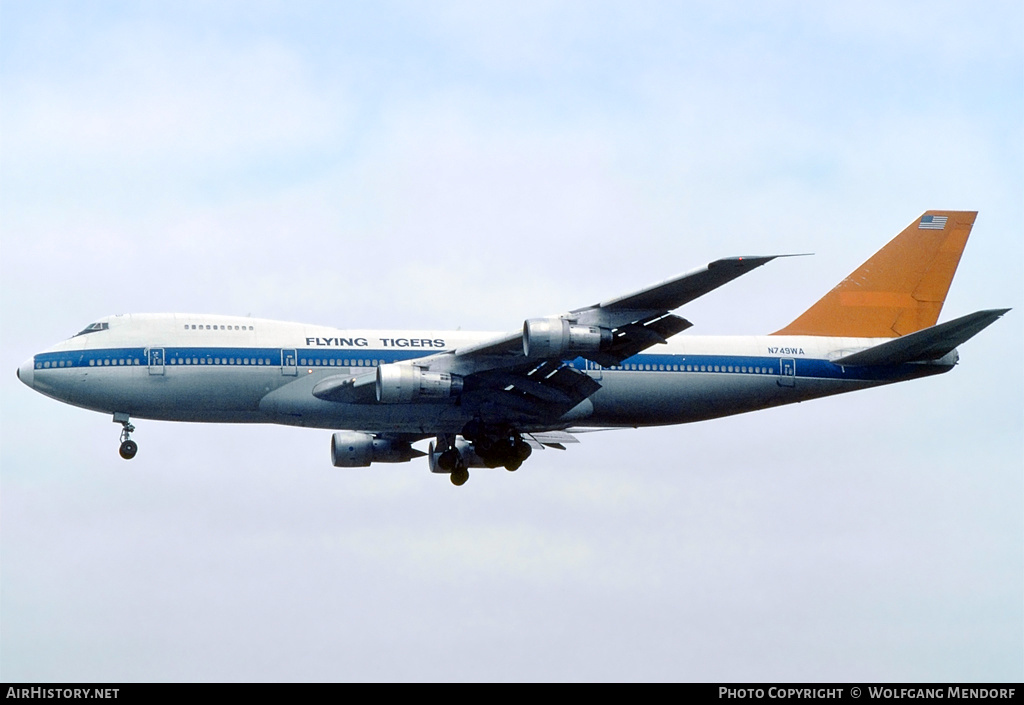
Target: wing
{"points": [[529, 374], [634, 321]]}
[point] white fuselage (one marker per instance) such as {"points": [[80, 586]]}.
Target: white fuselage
{"points": [[206, 368]]}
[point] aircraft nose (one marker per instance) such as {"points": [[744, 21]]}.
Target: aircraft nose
{"points": [[27, 371]]}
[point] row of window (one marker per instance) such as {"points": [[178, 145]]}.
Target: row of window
{"points": [[697, 368], [193, 326], [221, 361], [92, 363], [339, 363], [212, 361], [304, 362], [66, 363]]}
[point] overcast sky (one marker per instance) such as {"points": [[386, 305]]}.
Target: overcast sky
{"points": [[447, 164]]}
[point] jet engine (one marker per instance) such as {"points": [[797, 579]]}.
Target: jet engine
{"points": [[352, 449], [558, 338], [398, 384]]}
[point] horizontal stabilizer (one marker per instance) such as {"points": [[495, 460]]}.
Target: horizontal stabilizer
{"points": [[924, 345]]}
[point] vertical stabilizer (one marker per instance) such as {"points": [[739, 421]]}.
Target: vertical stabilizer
{"points": [[899, 290]]}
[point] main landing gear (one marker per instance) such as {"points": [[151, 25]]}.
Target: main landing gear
{"points": [[128, 447], [497, 445], [489, 446], [452, 462]]}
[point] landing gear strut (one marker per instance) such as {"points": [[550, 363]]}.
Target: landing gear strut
{"points": [[452, 462], [128, 447]]}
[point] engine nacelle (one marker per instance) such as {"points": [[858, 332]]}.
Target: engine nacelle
{"points": [[352, 449], [399, 384], [558, 338]]}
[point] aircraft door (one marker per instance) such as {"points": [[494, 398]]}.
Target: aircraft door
{"points": [[288, 362], [787, 372], [155, 358]]}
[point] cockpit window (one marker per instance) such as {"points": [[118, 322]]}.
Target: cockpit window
{"points": [[92, 328]]}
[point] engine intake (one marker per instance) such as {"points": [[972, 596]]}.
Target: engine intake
{"points": [[352, 449], [400, 384], [558, 338]]}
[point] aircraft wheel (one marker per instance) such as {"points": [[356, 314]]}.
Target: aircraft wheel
{"points": [[459, 477], [129, 449], [449, 460], [513, 466], [522, 450]]}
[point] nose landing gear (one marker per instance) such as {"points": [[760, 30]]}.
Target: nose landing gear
{"points": [[128, 447]]}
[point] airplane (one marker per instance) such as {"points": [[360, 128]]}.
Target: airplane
{"points": [[491, 399]]}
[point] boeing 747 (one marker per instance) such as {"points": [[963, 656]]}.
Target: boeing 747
{"points": [[489, 400]]}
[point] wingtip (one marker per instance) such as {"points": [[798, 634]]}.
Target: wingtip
{"points": [[755, 259]]}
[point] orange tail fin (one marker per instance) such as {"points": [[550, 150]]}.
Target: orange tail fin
{"points": [[899, 290]]}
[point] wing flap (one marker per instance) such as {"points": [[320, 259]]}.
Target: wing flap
{"points": [[546, 390], [630, 339], [550, 439]]}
